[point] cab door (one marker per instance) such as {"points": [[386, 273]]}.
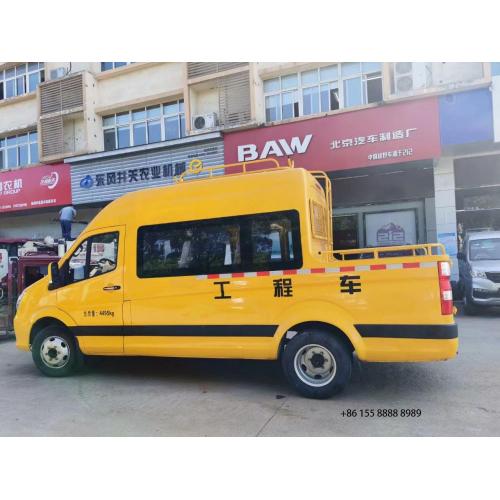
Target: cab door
{"points": [[92, 293]]}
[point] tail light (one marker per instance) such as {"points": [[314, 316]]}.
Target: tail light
{"points": [[445, 292]]}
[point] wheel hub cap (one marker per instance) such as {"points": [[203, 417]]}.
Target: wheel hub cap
{"points": [[315, 365], [55, 352]]}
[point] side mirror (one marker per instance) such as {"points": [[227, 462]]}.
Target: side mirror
{"points": [[460, 256], [55, 279]]}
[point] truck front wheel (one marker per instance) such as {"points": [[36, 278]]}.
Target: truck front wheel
{"points": [[55, 352], [317, 364]]}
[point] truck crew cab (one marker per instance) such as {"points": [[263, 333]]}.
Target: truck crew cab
{"points": [[238, 266]]}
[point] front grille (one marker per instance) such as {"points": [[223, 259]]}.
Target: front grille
{"points": [[480, 294], [495, 277]]}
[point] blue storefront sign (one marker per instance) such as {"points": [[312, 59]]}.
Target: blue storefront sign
{"points": [[466, 117]]}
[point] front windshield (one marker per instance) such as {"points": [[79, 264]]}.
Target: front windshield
{"points": [[485, 249]]}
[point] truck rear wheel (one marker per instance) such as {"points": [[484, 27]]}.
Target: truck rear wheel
{"points": [[55, 352], [317, 364]]}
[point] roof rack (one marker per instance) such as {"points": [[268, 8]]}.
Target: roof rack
{"points": [[196, 167]]}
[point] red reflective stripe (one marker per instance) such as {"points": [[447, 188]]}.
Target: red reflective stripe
{"points": [[238, 275], [318, 270], [262, 273], [290, 271], [212, 276], [410, 265], [347, 269], [377, 267]]}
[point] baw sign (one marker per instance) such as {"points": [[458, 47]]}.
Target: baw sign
{"points": [[391, 133]]}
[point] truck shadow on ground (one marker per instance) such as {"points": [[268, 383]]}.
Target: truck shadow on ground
{"points": [[391, 379]]}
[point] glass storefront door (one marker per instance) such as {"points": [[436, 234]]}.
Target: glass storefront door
{"points": [[345, 231]]}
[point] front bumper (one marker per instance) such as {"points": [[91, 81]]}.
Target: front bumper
{"points": [[485, 292], [22, 333]]}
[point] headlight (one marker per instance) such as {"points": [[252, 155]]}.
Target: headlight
{"points": [[19, 299], [476, 273]]}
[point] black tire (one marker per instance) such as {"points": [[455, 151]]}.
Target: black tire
{"points": [[328, 377], [60, 347]]}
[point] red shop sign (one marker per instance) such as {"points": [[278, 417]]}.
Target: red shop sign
{"points": [[391, 133], [35, 187]]}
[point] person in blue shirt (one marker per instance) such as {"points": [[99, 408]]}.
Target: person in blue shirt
{"points": [[66, 217]]}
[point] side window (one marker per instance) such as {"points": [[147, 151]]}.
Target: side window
{"points": [[103, 254], [273, 240], [77, 264], [101, 259], [262, 242], [186, 249]]}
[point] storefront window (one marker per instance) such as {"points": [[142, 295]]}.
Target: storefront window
{"points": [[21, 79], [391, 228], [477, 195], [345, 232], [144, 126], [19, 150], [322, 90]]}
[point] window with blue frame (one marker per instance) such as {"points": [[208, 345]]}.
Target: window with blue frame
{"points": [[323, 89], [19, 150], [105, 66], [21, 79], [146, 125]]}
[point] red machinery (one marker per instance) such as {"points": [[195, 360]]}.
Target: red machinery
{"points": [[27, 262]]}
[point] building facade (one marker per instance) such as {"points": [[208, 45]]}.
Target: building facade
{"points": [[413, 149]]}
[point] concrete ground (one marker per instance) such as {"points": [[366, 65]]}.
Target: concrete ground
{"points": [[183, 397]]}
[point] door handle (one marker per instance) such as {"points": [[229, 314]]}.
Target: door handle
{"points": [[111, 287]]}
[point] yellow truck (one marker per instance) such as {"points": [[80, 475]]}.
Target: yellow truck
{"points": [[240, 266]]}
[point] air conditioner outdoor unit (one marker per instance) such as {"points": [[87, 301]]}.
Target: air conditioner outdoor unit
{"points": [[409, 76], [57, 73], [201, 122]]}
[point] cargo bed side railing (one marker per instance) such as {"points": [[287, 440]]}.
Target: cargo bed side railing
{"points": [[424, 249], [321, 177]]}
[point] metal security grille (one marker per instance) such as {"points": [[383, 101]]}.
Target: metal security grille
{"points": [[108, 178], [61, 95], [318, 221], [196, 69], [52, 136], [234, 99]]}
